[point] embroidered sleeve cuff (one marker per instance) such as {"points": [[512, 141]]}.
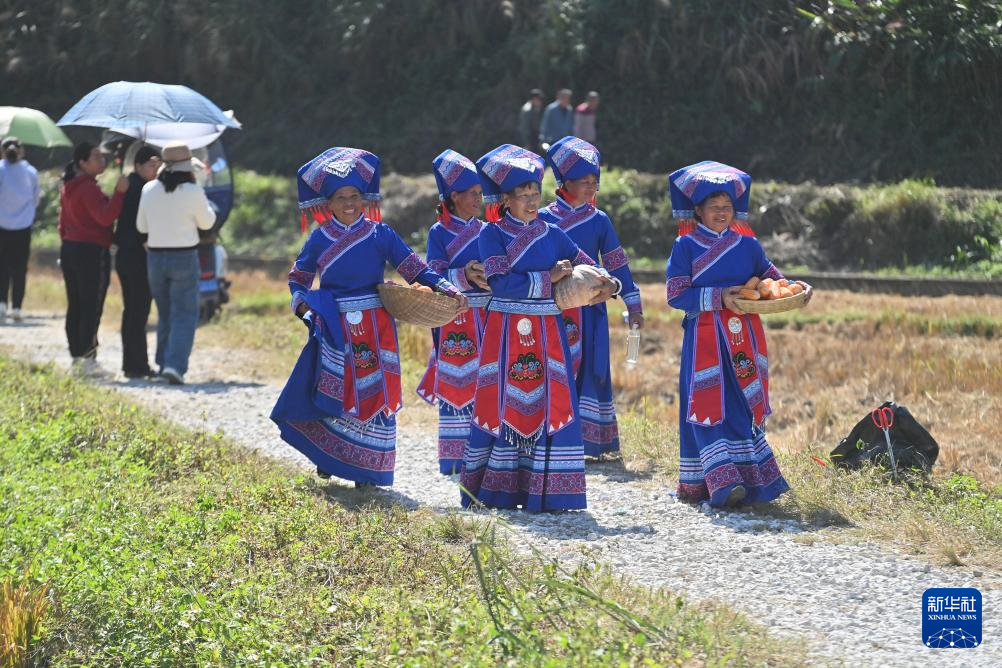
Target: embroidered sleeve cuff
{"points": [[297, 299], [300, 279], [438, 266], [458, 278], [773, 273], [615, 259], [677, 285], [632, 300], [583, 258], [411, 267], [711, 299], [446, 288], [496, 264], [540, 285]]}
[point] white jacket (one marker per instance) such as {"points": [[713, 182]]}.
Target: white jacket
{"points": [[172, 220]]}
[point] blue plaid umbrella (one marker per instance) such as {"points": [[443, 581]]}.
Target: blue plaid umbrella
{"points": [[135, 104]]}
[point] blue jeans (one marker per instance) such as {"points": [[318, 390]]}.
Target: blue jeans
{"points": [[174, 285]]}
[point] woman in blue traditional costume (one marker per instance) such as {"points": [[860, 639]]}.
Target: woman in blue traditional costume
{"points": [[453, 251], [340, 403], [525, 447], [575, 165], [724, 379]]}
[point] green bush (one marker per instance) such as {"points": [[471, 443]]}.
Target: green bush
{"points": [[911, 224]]}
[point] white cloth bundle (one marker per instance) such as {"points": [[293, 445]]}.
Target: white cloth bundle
{"points": [[580, 287]]}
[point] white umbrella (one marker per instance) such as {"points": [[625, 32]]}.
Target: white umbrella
{"points": [[195, 135]]}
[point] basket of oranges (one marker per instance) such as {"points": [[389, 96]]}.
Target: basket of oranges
{"points": [[418, 306], [769, 295]]}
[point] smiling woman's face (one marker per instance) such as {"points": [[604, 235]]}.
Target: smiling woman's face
{"points": [[716, 212], [581, 190], [523, 201], [346, 204]]}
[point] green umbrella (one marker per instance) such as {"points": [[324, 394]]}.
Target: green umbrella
{"points": [[32, 127]]}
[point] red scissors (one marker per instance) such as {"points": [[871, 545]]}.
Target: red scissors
{"points": [[883, 417]]}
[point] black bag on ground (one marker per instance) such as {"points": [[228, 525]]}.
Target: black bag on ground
{"points": [[914, 447]]}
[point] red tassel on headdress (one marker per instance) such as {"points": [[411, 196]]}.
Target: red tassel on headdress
{"points": [[742, 228], [493, 212], [319, 213], [442, 213], [686, 226], [373, 213], [563, 194], [594, 200]]}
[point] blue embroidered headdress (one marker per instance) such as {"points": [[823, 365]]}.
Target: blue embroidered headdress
{"points": [[454, 172], [691, 185], [504, 169], [334, 168], [572, 158]]}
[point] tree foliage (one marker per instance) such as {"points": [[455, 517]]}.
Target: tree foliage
{"points": [[823, 90]]}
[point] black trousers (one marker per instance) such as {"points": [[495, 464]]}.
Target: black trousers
{"points": [[130, 265], [15, 246], [86, 272]]}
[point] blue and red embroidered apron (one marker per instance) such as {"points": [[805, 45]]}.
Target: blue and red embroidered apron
{"points": [[528, 350], [744, 341]]}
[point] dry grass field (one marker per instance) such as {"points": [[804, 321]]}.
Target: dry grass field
{"points": [[829, 365]]}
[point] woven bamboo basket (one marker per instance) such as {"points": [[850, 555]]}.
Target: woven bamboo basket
{"points": [[427, 309], [775, 305]]}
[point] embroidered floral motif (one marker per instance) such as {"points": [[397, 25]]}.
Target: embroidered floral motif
{"points": [[573, 334], [526, 367], [743, 366], [457, 344], [364, 357]]}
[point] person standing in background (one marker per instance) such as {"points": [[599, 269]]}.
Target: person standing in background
{"points": [[172, 209], [584, 118], [19, 195], [130, 265], [528, 121], [86, 217], [558, 119]]}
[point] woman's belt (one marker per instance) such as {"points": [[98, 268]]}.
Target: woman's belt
{"points": [[359, 303], [478, 299], [524, 306]]}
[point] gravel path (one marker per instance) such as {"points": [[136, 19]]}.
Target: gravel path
{"points": [[856, 605]]}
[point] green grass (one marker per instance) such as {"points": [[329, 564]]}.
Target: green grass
{"points": [[165, 547]]}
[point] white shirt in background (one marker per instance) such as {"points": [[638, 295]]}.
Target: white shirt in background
{"points": [[172, 220], [19, 194]]}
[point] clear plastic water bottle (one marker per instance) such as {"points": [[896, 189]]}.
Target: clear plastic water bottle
{"points": [[632, 342]]}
